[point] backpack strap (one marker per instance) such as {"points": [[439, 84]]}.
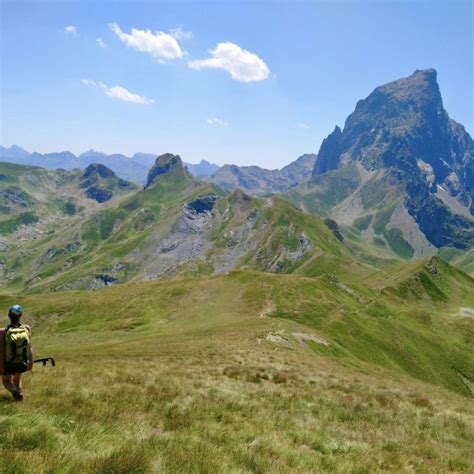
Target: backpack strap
{"points": [[11, 326], [12, 346], [24, 353], [13, 352]]}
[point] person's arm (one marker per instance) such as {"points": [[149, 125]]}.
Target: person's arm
{"points": [[30, 365], [2, 350]]}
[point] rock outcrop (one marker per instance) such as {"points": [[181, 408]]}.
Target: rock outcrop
{"points": [[101, 183], [164, 165]]}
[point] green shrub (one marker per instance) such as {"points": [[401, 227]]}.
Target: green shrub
{"points": [[11, 225]]}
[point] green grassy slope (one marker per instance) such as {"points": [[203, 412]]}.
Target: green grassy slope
{"points": [[249, 372], [78, 243], [109, 235], [121, 239], [322, 193], [369, 207], [462, 260], [42, 212], [28, 193], [363, 203]]}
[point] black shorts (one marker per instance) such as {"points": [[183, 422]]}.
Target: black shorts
{"points": [[13, 370]]}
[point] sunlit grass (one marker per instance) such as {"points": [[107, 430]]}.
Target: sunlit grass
{"points": [[207, 375], [208, 411]]}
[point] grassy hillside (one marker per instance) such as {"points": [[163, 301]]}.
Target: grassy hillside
{"points": [[56, 238], [28, 193], [42, 212], [322, 193], [249, 372], [176, 226], [369, 208], [462, 260]]}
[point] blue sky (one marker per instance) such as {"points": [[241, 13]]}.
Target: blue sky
{"points": [[232, 82]]}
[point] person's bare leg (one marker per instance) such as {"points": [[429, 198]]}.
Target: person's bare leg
{"points": [[8, 383], [17, 382], [16, 392]]}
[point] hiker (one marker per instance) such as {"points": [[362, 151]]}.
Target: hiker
{"points": [[16, 355]]}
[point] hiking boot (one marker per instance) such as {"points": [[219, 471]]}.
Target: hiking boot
{"points": [[17, 396]]}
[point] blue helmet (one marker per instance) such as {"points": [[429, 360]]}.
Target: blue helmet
{"points": [[16, 309]]}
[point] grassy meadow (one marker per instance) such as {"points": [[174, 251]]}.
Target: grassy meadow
{"points": [[249, 372]]}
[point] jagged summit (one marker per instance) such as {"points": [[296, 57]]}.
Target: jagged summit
{"points": [[416, 93], [101, 183], [166, 164], [402, 134], [99, 169], [421, 80], [411, 105], [202, 169], [329, 153], [92, 154], [403, 125]]}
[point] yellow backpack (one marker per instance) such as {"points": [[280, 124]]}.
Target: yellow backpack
{"points": [[17, 348]]}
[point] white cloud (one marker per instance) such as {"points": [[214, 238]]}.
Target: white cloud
{"points": [[179, 33], [101, 42], [119, 93], [89, 82], [241, 64], [160, 45], [71, 30], [303, 125], [216, 121]]}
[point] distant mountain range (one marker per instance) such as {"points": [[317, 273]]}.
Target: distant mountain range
{"points": [[252, 179], [260, 181], [134, 168]]}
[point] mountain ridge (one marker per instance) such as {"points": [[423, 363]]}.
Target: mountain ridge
{"points": [[412, 189], [134, 168], [260, 181], [176, 225]]}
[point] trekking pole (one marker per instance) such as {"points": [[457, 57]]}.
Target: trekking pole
{"points": [[45, 360]]}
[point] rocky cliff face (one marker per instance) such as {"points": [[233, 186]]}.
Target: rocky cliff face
{"points": [[402, 128]]}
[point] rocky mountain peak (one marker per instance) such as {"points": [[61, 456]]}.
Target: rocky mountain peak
{"points": [[429, 74], [400, 123], [92, 153], [402, 129], [17, 149], [418, 90], [98, 169], [202, 169], [101, 183], [165, 164]]}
